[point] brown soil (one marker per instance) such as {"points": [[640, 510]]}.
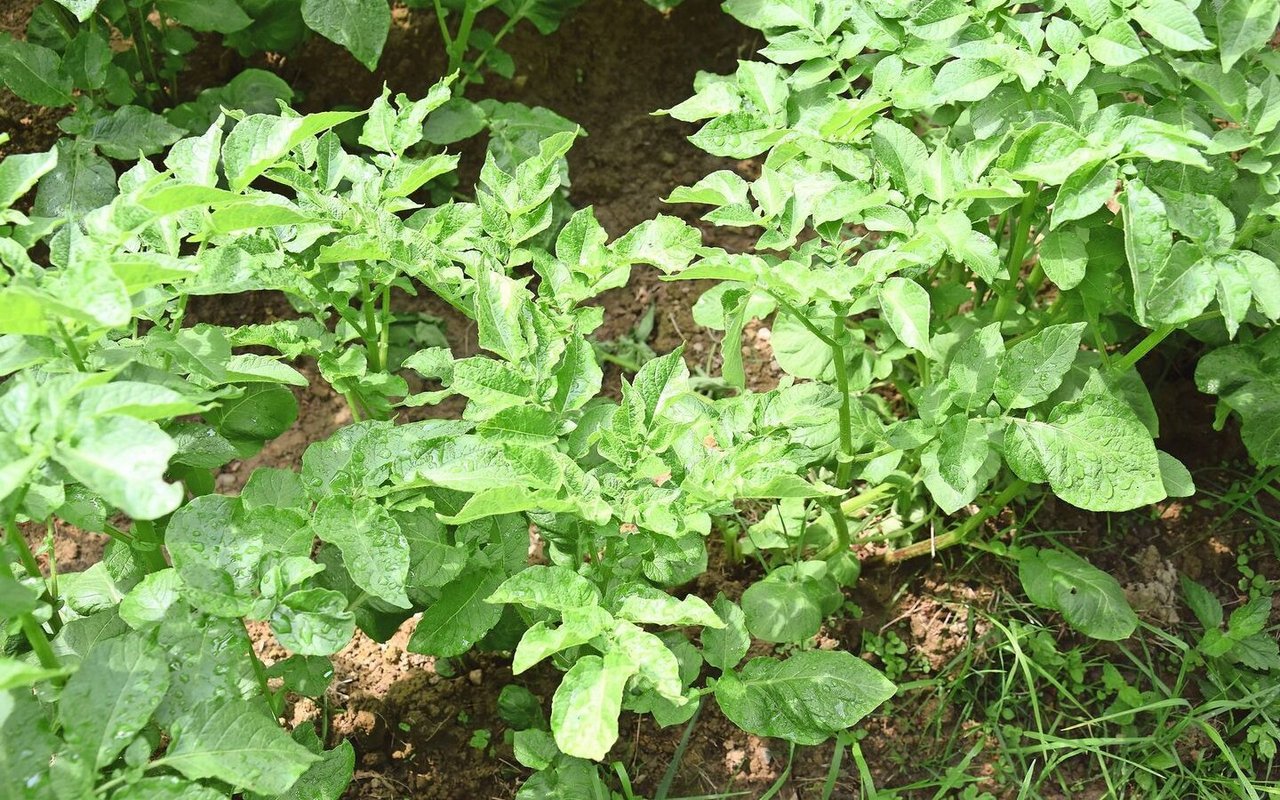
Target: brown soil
{"points": [[611, 64]]}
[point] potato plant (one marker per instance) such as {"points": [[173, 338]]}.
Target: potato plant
{"points": [[976, 219], [115, 412], [972, 221]]}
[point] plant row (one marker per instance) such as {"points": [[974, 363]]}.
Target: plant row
{"points": [[973, 221]]}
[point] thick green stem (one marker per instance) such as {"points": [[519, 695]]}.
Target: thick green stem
{"points": [[458, 48], [77, 357], [384, 336], [1034, 281], [35, 634], [957, 536], [845, 468], [370, 327], [259, 669], [1142, 348], [1017, 253], [25, 556], [869, 497], [146, 546], [444, 27], [354, 405]]}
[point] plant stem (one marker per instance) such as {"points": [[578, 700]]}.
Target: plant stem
{"points": [[354, 405], [384, 336], [370, 327], [142, 47], [1017, 252], [444, 27], [146, 546], [961, 533], [866, 498], [1142, 348], [458, 48], [25, 556], [35, 634], [1034, 281], [506, 28], [77, 357], [845, 467], [259, 669]]}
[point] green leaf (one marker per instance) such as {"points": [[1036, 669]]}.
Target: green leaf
{"points": [[1245, 26], [1202, 603], [259, 141], [906, 307], [1093, 451], [166, 787], [1172, 24], [235, 742], [26, 745], [361, 26], [665, 242], [1115, 44], [1182, 286], [1084, 191], [1148, 240], [578, 627], [220, 16], [112, 696], [724, 648], [278, 488], [461, 617], [394, 129], [130, 132], [1090, 600], [15, 674], [328, 778], [1063, 257], [738, 134], [806, 699], [217, 555], [1034, 368], [585, 708], [799, 352], [34, 73], [1175, 477], [313, 622], [373, 547], [975, 363], [261, 412], [1049, 152], [554, 587], [657, 667], [966, 80], [81, 9], [953, 464], [901, 153], [81, 182], [18, 173], [123, 460], [781, 611], [645, 604], [973, 248], [501, 305]]}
